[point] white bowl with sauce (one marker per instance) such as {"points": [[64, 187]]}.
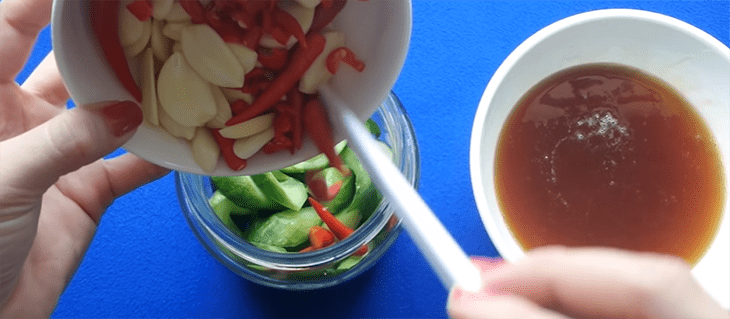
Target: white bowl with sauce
{"points": [[693, 63]]}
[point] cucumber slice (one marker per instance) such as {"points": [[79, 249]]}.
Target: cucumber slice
{"points": [[343, 197], [224, 208], [282, 188], [373, 127], [349, 262], [318, 162], [286, 229], [272, 248], [244, 192]]}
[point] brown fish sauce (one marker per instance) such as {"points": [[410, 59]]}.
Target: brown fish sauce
{"points": [[606, 155]]}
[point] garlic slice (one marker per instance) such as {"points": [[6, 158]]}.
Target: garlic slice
{"points": [[248, 128], [233, 95], [208, 55], [174, 128], [177, 14], [130, 28], [224, 109], [161, 8], [184, 95], [246, 56], [308, 3], [205, 150], [139, 46], [148, 86], [317, 73], [159, 43], [248, 146], [173, 30]]}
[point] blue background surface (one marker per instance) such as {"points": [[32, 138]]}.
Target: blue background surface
{"points": [[145, 262]]}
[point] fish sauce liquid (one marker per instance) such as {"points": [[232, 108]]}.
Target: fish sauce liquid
{"points": [[606, 155]]}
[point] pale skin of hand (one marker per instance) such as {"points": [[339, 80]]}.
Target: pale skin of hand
{"points": [[53, 181], [558, 282]]}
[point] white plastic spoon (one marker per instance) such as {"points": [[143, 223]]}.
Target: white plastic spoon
{"points": [[448, 260]]}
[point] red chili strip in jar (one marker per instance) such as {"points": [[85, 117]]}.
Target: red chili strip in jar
{"points": [[346, 55]]}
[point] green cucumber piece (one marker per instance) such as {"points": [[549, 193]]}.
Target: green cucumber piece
{"points": [[373, 127], [286, 229], [318, 162], [244, 192], [343, 197], [224, 208], [282, 189], [366, 197], [349, 262], [271, 248]]}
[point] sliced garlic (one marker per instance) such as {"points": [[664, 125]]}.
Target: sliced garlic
{"points": [[224, 109], [139, 46], [233, 95], [206, 52], [184, 95], [130, 28], [304, 17], [248, 128], [317, 73], [205, 149], [149, 92], [161, 8], [177, 14], [173, 127], [246, 56], [160, 44], [308, 3], [173, 30], [248, 146]]}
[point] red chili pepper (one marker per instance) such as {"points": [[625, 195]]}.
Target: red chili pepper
{"points": [[346, 55], [290, 25], [340, 230], [273, 59], [282, 123], [278, 143], [251, 38], [279, 35], [142, 9], [239, 106], [324, 14], [319, 129], [320, 237], [300, 61], [105, 25], [320, 191], [195, 10], [226, 145]]}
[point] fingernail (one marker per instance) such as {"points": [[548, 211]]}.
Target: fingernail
{"points": [[123, 117]]}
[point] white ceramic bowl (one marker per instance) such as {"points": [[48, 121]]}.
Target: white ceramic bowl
{"points": [[693, 62], [377, 31]]}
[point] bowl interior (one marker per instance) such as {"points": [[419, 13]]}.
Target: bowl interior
{"points": [[688, 59], [377, 31]]}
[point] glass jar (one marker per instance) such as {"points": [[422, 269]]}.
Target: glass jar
{"points": [[320, 268]]}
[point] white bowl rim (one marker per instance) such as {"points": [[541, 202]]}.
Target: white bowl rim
{"points": [[496, 230]]}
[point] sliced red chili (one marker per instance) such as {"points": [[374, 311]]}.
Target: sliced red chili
{"points": [[273, 59], [320, 237], [282, 123], [300, 61], [281, 36], [324, 14], [287, 22], [251, 38], [226, 145], [340, 230], [346, 55], [239, 106], [142, 9], [105, 25], [296, 101], [195, 9], [278, 143], [319, 130]]}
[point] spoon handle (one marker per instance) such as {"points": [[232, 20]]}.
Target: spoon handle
{"points": [[448, 260]]}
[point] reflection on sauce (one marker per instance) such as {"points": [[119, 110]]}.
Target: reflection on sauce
{"points": [[604, 155]]}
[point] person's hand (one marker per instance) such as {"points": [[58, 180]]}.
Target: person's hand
{"points": [[558, 282], [54, 184]]}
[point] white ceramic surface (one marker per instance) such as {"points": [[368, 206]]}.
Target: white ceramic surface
{"points": [[690, 60], [377, 31]]}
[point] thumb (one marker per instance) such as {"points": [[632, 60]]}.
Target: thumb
{"points": [[34, 160]]}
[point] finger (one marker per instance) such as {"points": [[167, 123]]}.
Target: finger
{"points": [[94, 187], [20, 23], [34, 160], [45, 82], [482, 305], [604, 283]]}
